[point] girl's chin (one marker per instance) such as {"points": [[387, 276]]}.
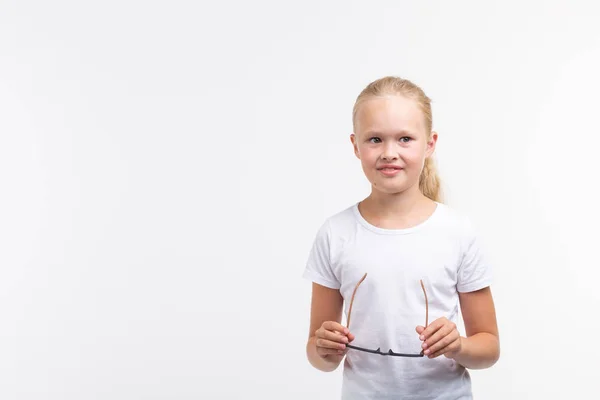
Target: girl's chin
{"points": [[389, 189]]}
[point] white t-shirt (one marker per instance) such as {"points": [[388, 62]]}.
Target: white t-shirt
{"points": [[443, 252]]}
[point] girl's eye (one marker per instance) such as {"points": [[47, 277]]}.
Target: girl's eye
{"points": [[374, 140], [405, 139]]}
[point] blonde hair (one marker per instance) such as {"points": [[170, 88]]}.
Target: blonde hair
{"points": [[429, 181]]}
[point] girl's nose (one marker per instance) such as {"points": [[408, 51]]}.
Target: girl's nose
{"points": [[389, 153]]}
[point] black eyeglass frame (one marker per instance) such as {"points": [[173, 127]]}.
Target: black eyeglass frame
{"points": [[389, 352]]}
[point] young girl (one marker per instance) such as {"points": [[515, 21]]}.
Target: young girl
{"points": [[400, 264]]}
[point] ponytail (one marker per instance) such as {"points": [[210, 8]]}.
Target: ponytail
{"points": [[429, 181]]}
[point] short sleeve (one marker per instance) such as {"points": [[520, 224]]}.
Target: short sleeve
{"points": [[319, 268], [474, 272]]}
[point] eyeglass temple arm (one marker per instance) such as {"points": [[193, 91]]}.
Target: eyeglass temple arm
{"points": [[426, 305], [352, 300]]}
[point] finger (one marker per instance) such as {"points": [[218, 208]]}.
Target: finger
{"points": [[331, 335], [335, 326], [330, 344], [451, 337], [420, 329], [445, 350], [431, 329], [437, 336], [322, 351], [351, 337]]}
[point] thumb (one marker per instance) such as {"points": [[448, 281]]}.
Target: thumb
{"points": [[420, 329], [351, 337]]}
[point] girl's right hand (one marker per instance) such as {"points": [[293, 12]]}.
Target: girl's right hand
{"points": [[331, 339]]}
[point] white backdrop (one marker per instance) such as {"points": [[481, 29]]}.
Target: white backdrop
{"points": [[164, 167]]}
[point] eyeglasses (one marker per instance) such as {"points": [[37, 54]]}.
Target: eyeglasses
{"points": [[378, 351]]}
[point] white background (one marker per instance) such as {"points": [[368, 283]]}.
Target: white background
{"points": [[164, 167]]}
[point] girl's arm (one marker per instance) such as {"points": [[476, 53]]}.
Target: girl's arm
{"points": [[326, 334], [481, 346]]}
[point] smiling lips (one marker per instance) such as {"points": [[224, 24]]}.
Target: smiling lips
{"points": [[389, 169]]}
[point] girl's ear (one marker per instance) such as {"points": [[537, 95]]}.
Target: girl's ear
{"points": [[355, 145], [431, 143]]}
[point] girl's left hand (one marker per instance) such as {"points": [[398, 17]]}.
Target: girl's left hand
{"points": [[440, 337]]}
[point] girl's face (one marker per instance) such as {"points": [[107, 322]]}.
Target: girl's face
{"points": [[392, 143]]}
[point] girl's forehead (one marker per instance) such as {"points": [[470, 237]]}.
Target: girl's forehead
{"points": [[390, 113]]}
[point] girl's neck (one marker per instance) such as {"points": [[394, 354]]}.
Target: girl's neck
{"points": [[396, 211]]}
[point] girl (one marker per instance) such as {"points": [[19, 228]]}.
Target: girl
{"points": [[400, 264]]}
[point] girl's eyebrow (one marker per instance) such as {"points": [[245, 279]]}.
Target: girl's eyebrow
{"points": [[402, 132]]}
